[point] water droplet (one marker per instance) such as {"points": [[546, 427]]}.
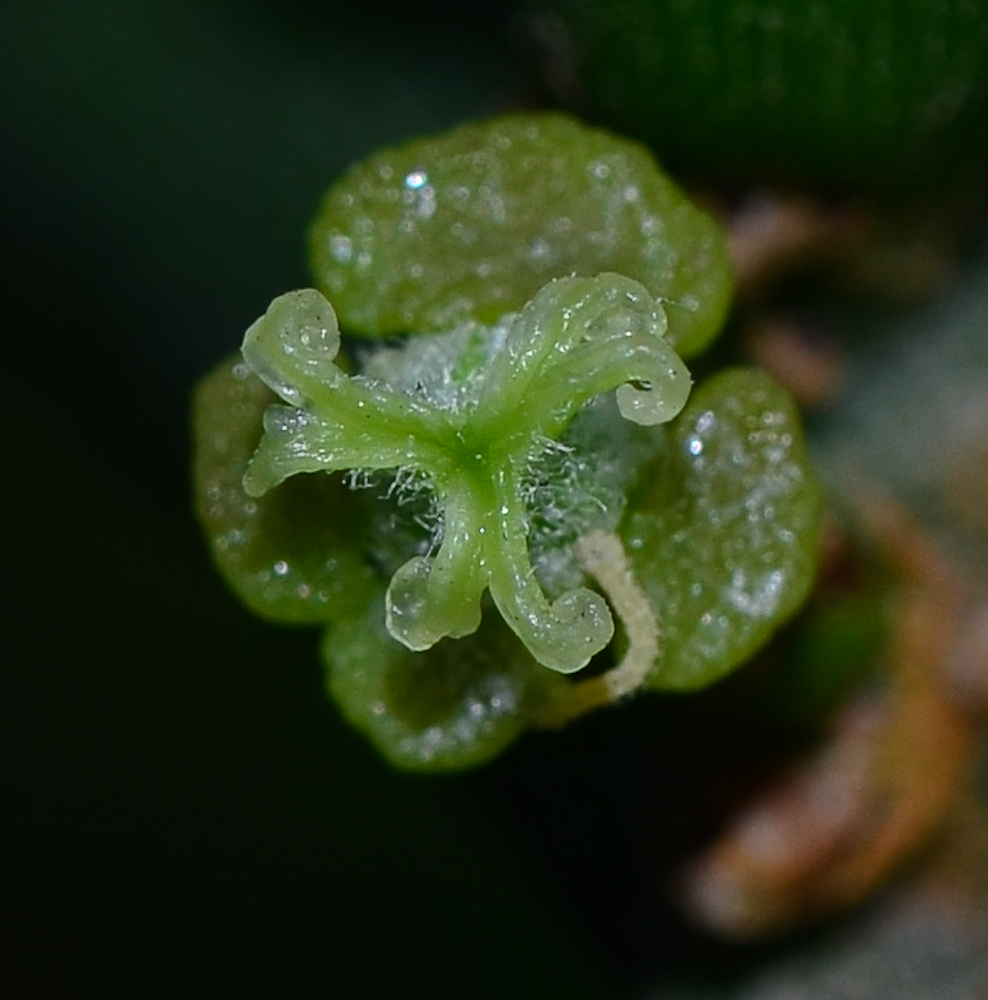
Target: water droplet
{"points": [[341, 247]]}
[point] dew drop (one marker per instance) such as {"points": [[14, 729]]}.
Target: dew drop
{"points": [[341, 247]]}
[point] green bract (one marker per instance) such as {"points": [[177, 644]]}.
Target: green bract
{"points": [[470, 224]]}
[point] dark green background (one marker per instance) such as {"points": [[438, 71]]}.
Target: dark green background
{"points": [[187, 810]]}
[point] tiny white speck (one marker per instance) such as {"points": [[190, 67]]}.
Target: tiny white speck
{"points": [[341, 247]]}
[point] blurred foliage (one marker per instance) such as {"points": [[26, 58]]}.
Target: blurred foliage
{"points": [[887, 96]]}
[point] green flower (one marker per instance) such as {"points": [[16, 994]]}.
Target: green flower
{"points": [[533, 458]]}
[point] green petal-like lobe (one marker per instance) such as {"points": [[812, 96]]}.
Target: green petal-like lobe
{"points": [[887, 95], [292, 555], [453, 707], [725, 527], [470, 224]]}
